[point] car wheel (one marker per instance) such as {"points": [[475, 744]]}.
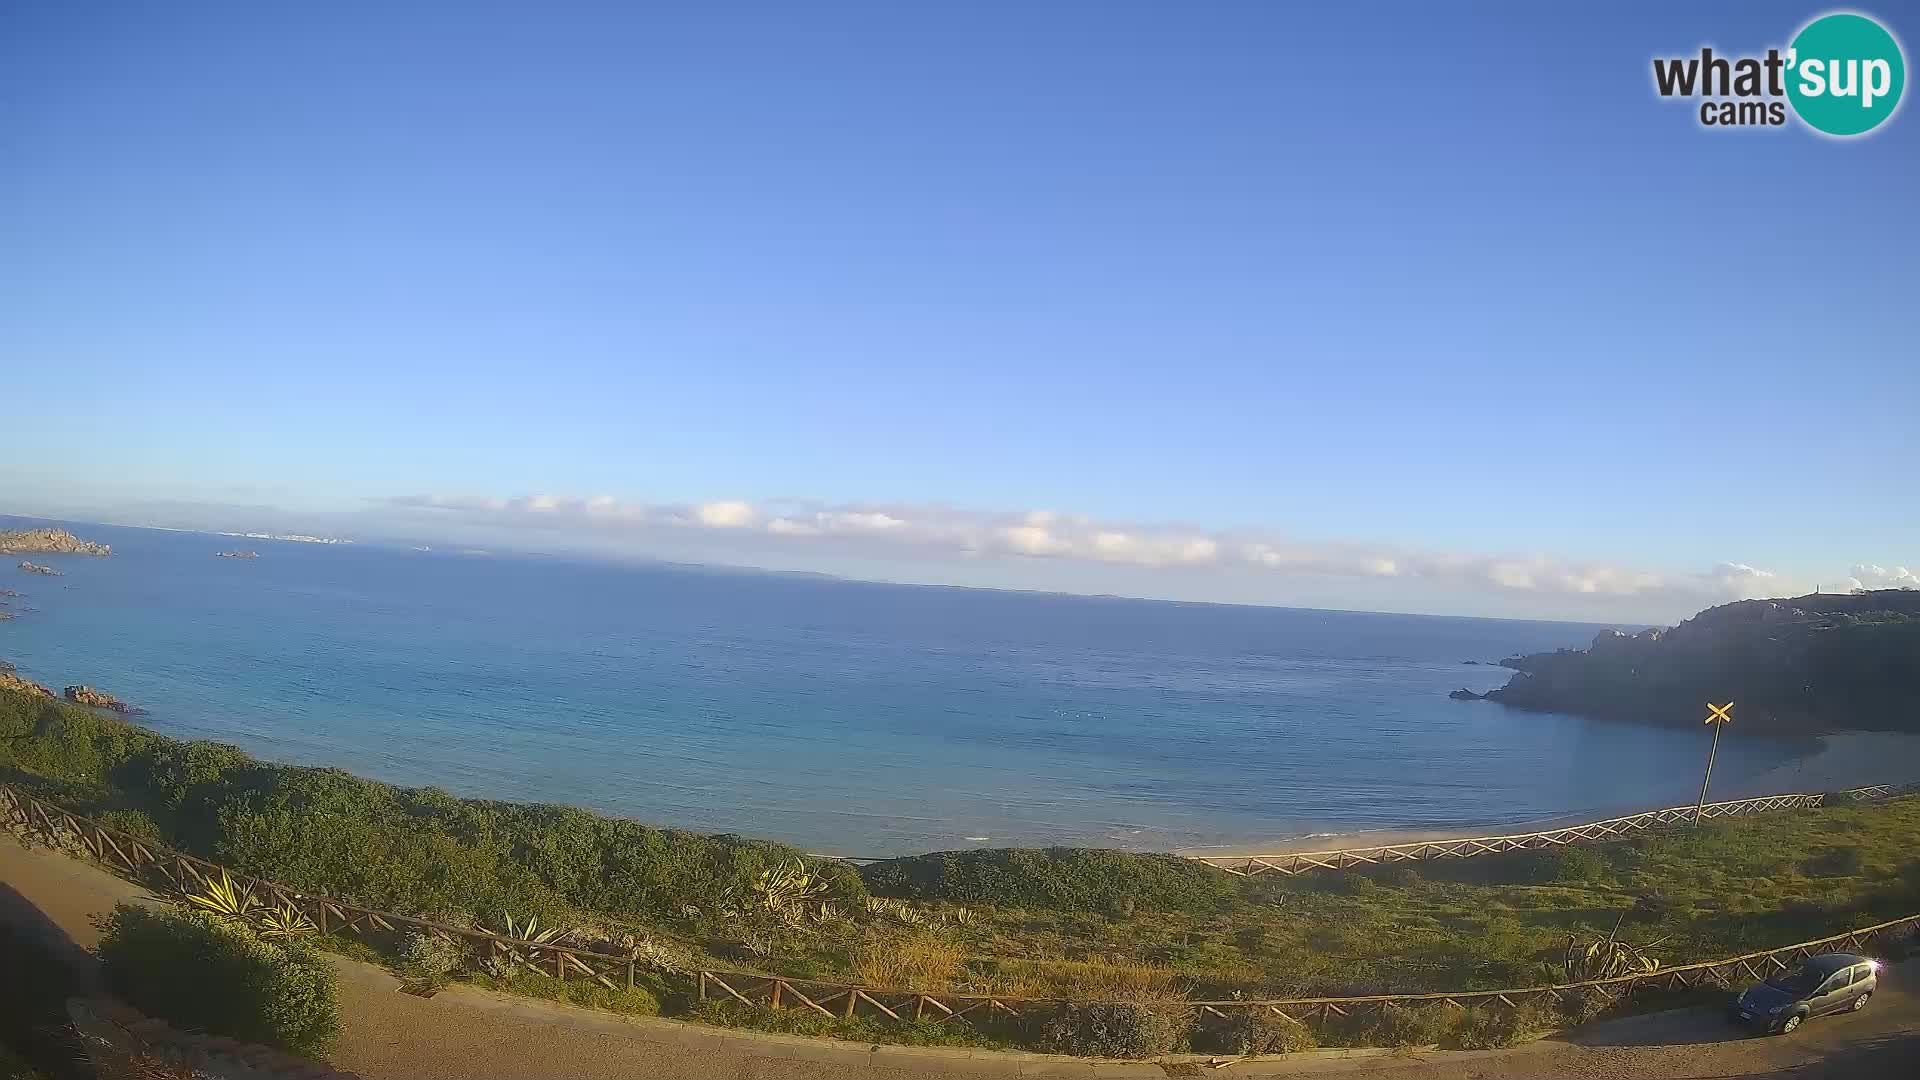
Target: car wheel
{"points": [[1791, 1022], [1860, 1002]]}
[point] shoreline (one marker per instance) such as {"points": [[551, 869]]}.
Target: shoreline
{"points": [[1366, 838], [1842, 761], [1844, 758]]}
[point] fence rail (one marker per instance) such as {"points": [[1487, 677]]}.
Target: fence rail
{"points": [[169, 871]]}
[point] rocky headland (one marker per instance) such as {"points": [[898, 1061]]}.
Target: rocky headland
{"points": [[48, 542], [1803, 665], [11, 681]]}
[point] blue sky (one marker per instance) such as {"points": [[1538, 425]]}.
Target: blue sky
{"points": [[1453, 292]]}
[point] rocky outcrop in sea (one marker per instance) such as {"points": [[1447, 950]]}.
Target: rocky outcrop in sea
{"points": [[99, 699], [48, 542]]}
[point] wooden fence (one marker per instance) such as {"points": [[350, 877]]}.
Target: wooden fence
{"points": [[174, 873]]}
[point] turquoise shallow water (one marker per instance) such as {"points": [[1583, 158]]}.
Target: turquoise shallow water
{"points": [[848, 717]]}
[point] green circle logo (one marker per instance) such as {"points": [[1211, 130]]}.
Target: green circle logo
{"points": [[1845, 74]]}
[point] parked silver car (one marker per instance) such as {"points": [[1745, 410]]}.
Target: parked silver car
{"points": [[1828, 983]]}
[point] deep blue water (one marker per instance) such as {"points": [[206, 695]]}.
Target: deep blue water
{"points": [[849, 717]]}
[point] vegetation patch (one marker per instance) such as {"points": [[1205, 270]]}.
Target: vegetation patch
{"points": [[200, 971], [1117, 1029], [642, 1000], [1067, 879], [1099, 927]]}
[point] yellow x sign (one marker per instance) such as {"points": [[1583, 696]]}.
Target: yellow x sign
{"points": [[1719, 714]]}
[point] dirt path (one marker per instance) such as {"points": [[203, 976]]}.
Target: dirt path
{"points": [[468, 1034]]}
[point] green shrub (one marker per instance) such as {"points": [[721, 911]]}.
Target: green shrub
{"points": [[1833, 862], [1395, 875], [1116, 1029], [1408, 1026], [1493, 1027], [132, 822], [67, 745], [199, 971], [429, 959], [1654, 907], [414, 851], [1070, 879], [1256, 1031]]}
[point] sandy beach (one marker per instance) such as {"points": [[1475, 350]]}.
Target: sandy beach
{"points": [[1845, 760]]}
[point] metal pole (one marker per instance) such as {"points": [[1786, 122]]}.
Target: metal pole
{"points": [[1708, 779]]}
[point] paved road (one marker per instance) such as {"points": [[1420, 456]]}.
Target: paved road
{"points": [[466, 1034]]}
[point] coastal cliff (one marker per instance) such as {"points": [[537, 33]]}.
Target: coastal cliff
{"points": [[1802, 665], [48, 542]]}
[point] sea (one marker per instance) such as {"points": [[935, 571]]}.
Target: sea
{"points": [[850, 718]]}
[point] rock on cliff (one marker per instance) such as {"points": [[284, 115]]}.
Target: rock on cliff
{"points": [[1805, 664], [48, 542], [10, 681], [99, 699]]}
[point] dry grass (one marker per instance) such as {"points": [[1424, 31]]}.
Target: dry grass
{"points": [[908, 961], [1082, 980]]}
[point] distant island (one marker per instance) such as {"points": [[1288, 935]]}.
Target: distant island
{"points": [[48, 542], [1807, 664], [236, 554], [37, 568]]}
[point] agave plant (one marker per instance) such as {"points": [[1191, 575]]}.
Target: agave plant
{"points": [[788, 886], [898, 909], [530, 931], [1607, 958], [789, 893], [222, 897], [283, 920]]}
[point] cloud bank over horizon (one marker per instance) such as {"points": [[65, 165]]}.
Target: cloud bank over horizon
{"points": [[934, 530]]}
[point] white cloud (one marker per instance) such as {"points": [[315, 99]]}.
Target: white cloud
{"points": [[1870, 576], [1048, 534], [1032, 540], [731, 514]]}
